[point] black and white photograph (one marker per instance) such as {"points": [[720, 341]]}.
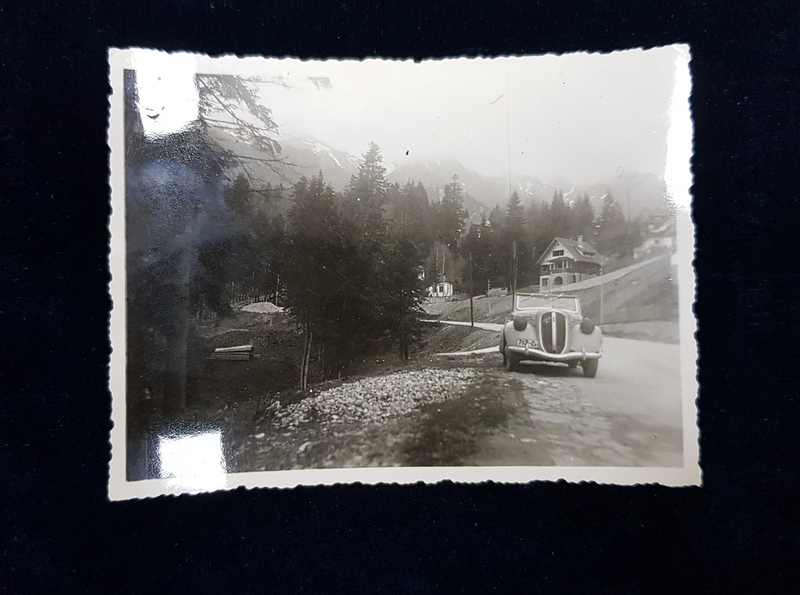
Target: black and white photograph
{"points": [[378, 271]]}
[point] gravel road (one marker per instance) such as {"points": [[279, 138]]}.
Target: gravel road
{"points": [[468, 410], [629, 415]]}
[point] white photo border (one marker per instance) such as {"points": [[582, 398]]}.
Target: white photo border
{"points": [[678, 178]]}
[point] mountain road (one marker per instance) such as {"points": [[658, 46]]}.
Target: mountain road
{"points": [[629, 415]]}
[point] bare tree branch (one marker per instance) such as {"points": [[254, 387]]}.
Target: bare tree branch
{"points": [[227, 94]]}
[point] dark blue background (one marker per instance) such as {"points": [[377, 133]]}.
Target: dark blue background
{"points": [[739, 533]]}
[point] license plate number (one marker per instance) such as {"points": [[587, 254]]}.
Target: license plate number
{"points": [[526, 343]]}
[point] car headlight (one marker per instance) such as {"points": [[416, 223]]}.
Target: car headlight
{"points": [[520, 323], [587, 326]]}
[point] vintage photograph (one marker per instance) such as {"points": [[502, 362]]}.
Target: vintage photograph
{"points": [[377, 271]]}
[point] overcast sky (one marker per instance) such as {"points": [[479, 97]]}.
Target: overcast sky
{"points": [[576, 118]]}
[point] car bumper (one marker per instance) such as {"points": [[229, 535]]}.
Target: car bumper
{"points": [[533, 353]]}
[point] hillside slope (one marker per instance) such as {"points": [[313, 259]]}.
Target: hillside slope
{"points": [[641, 292]]}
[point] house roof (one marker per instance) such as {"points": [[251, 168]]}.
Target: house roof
{"points": [[578, 251], [665, 228]]}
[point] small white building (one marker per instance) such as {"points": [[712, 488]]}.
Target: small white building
{"points": [[443, 289]]}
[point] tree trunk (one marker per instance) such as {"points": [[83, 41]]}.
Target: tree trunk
{"points": [[306, 360]]}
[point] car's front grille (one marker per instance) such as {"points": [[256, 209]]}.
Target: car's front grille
{"points": [[553, 331]]}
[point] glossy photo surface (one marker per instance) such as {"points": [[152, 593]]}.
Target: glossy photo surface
{"points": [[387, 271]]}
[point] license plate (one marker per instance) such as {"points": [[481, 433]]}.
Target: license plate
{"points": [[526, 343]]}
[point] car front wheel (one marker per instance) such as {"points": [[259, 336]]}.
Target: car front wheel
{"points": [[590, 367], [510, 359]]}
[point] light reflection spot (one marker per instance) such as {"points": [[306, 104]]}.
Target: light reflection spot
{"points": [[167, 91], [194, 462]]}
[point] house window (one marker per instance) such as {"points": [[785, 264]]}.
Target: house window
{"points": [[558, 253]]}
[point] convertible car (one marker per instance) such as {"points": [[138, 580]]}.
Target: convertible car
{"points": [[550, 328]]}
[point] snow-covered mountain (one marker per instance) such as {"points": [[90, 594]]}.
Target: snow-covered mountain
{"points": [[309, 157], [299, 157], [633, 191]]}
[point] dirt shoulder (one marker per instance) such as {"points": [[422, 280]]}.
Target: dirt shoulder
{"points": [[484, 309], [386, 413], [430, 411], [417, 417], [452, 411]]}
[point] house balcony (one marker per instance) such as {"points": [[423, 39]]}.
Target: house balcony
{"points": [[559, 270], [580, 269]]}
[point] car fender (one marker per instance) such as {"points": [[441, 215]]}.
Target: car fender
{"points": [[510, 334], [591, 343]]}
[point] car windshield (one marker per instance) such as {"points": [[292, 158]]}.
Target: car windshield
{"points": [[562, 302]]}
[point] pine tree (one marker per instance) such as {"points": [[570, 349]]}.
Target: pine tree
{"points": [[611, 227], [312, 220], [498, 260], [364, 212], [477, 252], [409, 215], [583, 217], [313, 287], [515, 215], [538, 230], [409, 244], [274, 258], [516, 246], [365, 197], [404, 292], [451, 215], [559, 216]]}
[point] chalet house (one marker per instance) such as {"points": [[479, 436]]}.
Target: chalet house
{"points": [[567, 261], [658, 236]]}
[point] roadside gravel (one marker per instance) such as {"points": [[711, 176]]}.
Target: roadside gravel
{"points": [[376, 400]]}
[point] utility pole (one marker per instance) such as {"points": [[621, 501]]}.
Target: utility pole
{"points": [[513, 273], [629, 202], [471, 291], [601, 295]]}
